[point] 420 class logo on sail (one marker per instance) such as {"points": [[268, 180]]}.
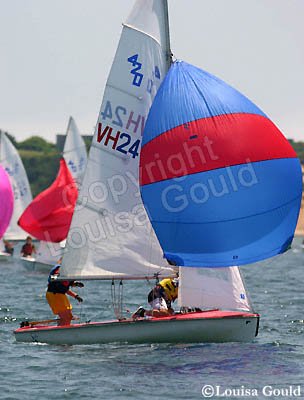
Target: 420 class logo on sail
{"points": [[138, 76]]}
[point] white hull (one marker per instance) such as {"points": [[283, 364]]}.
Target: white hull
{"points": [[212, 326], [5, 256], [31, 264]]}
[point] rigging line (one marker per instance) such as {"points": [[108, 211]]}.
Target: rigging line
{"points": [[80, 314], [81, 305], [121, 300], [113, 295], [147, 280], [116, 299]]}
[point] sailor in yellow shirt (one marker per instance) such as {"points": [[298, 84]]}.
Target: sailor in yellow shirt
{"points": [[160, 299]]}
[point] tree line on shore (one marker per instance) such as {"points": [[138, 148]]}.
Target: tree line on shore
{"points": [[41, 159]]}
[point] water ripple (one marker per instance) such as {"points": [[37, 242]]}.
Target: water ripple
{"points": [[37, 371]]}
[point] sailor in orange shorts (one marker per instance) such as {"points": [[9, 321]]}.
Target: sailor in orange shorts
{"points": [[56, 296]]}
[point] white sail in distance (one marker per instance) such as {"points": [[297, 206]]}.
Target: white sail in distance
{"points": [[210, 288], [74, 151], [49, 253], [75, 155], [12, 163], [111, 235]]}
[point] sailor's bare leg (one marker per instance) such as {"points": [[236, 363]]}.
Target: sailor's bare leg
{"points": [[65, 317], [159, 313]]}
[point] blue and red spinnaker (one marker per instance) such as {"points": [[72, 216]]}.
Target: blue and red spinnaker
{"points": [[221, 184]]}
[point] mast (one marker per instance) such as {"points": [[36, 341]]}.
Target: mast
{"points": [[167, 33]]}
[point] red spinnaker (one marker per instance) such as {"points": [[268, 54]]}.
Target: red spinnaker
{"points": [[49, 215]]}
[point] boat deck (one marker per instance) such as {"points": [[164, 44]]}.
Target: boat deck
{"points": [[210, 314], [196, 327]]}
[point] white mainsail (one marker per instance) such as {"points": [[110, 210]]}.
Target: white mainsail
{"points": [[74, 151], [12, 163], [111, 235], [209, 288]]}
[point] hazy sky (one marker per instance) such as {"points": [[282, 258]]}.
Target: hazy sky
{"points": [[55, 56]]}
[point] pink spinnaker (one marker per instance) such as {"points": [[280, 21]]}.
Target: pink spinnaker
{"points": [[6, 201]]}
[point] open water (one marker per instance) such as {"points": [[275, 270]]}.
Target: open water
{"points": [[275, 359]]}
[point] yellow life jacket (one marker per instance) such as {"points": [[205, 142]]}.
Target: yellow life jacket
{"points": [[170, 289]]}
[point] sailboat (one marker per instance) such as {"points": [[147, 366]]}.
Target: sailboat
{"points": [[48, 218], [6, 202], [50, 251], [111, 235], [12, 163], [74, 151], [47, 254]]}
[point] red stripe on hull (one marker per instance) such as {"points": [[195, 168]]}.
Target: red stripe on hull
{"points": [[212, 143], [208, 314]]}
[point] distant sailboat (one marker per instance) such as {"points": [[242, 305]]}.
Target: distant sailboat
{"points": [[12, 163], [74, 151], [75, 156], [47, 254], [6, 201], [111, 236]]}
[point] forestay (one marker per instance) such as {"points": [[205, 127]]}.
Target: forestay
{"points": [[209, 288], [110, 234], [74, 151], [11, 162]]}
